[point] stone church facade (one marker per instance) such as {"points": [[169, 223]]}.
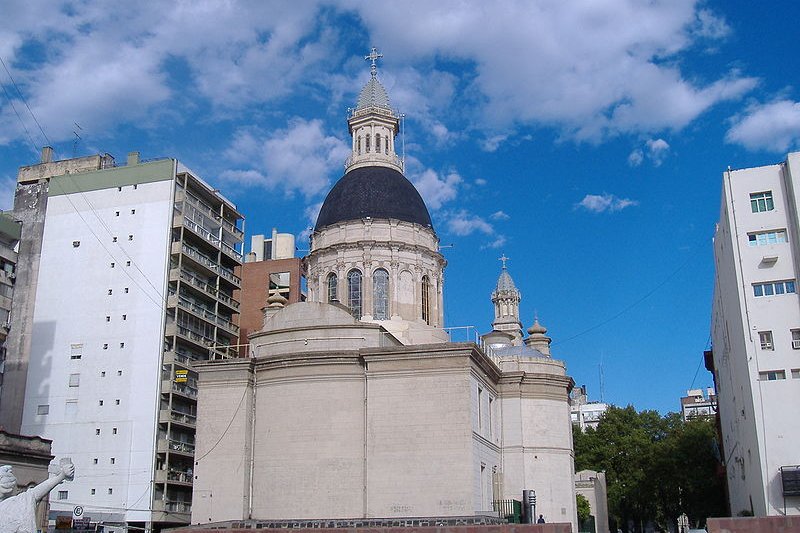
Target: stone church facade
{"points": [[354, 404]]}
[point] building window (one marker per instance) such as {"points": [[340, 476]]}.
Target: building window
{"points": [[774, 287], [105, 346], [126, 290], [354, 299], [63, 494], [122, 345], [113, 239], [96, 432], [772, 375], [113, 460], [426, 299], [101, 403], [93, 492], [765, 338], [796, 339], [358, 145], [763, 238], [761, 201], [480, 408], [124, 317], [367, 145], [114, 431], [112, 265], [75, 350], [111, 491], [43, 409], [108, 318], [127, 263], [117, 401], [110, 292], [95, 460], [378, 142], [74, 380], [380, 294], [133, 211], [116, 213], [130, 237], [333, 288], [103, 374], [75, 244]]}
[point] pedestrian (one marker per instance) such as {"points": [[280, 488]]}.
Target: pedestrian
{"points": [[541, 520]]}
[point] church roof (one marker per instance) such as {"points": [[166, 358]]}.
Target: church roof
{"points": [[373, 95], [504, 282], [374, 192]]}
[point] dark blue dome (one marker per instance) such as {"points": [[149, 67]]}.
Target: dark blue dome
{"points": [[376, 192]]}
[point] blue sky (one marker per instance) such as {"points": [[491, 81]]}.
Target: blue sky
{"points": [[585, 140]]}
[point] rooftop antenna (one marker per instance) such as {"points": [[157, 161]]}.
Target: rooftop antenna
{"points": [[602, 379], [403, 139], [76, 141]]}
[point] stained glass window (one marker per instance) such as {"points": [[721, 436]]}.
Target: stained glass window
{"points": [[380, 294], [354, 300]]}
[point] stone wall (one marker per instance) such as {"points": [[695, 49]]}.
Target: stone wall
{"points": [[764, 524]]}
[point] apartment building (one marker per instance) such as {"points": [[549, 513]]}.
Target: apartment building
{"points": [[9, 238], [756, 336], [129, 279]]}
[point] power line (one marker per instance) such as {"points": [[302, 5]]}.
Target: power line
{"points": [[24, 126], [24, 101]]}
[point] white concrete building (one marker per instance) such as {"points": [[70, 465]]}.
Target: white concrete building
{"points": [[355, 404], [128, 279], [756, 336], [585, 413], [698, 404]]}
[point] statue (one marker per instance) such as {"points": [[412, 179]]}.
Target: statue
{"points": [[18, 513]]}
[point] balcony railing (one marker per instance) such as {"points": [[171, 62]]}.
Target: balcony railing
{"points": [[211, 264]]}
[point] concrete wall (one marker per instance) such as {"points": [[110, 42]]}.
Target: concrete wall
{"points": [[766, 524], [79, 336], [757, 436], [226, 410]]}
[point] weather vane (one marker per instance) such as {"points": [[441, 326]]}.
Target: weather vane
{"points": [[373, 56]]}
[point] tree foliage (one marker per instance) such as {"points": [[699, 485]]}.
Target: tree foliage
{"points": [[656, 467], [584, 509]]}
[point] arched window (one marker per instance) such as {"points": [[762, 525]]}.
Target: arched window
{"points": [[359, 145], [354, 300], [386, 145], [333, 294], [367, 142], [426, 299], [378, 142], [380, 294]]}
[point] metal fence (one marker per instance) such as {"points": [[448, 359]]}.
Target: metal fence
{"points": [[509, 510]]}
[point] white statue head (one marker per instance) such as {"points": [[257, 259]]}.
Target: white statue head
{"points": [[8, 481]]}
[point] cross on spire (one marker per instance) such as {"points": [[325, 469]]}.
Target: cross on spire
{"points": [[503, 259], [373, 56]]}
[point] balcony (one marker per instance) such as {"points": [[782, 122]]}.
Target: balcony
{"points": [[184, 419], [175, 446], [168, 506], [207, 262], [174, 476], [196, 224], [179, 388], [172, 357]]}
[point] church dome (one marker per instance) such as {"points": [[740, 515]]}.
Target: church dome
{"points": [[374, 192]]}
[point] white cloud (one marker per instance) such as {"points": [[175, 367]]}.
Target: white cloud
{"points": [[498, 242], [462, 223], [600, 203], [435, 188], [299, 158], [636, 157], [491, 144], [774, 126], [311, 213], [480, 181], [655, 150], [610, 72], [613, 70], [499, 215]]}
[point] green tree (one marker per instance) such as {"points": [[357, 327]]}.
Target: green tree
{"points": [[584, 509], [656, 467]]}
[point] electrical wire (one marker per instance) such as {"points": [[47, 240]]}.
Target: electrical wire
{"points": [[24, 101], [238, 408]]}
